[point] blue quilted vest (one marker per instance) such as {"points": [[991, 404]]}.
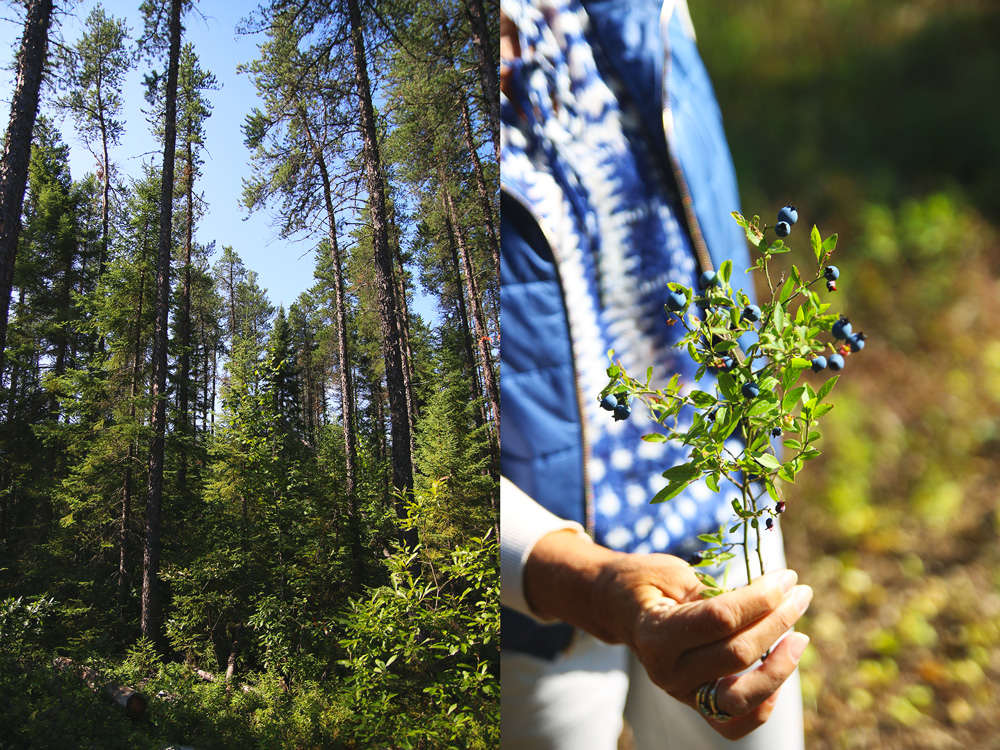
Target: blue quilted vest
{"points": [[543, 445]]}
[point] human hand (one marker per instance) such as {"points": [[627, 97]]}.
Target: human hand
{"points": [[653, 604]]}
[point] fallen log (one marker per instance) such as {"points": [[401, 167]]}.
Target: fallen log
{"points": [[209, 677], [128, 698]]}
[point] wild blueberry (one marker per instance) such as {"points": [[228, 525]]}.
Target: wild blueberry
{"points": [[782, 228], [776, 432], [818, 363], [609, 402], [676, 301], [836, 362], [856, 341], [780, 507], [751, 313], [622, 411], [842, 328], [709, 278], [750, 390], [831, 286], [728, 363], [831, 273], [769, 523], [788, 214]]}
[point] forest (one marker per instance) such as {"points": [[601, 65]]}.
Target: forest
{"points": [[224, 523]]}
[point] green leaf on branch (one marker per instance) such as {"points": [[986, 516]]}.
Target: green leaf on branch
{"points": [[683, 473], [655, 437], [830, 244], [779, 318], [787, 290], [792, 371], [817, 244], [726, 271], [727, 385], [702, 400], [767, 460], [791, 398], [825, 389], [821, 410]]}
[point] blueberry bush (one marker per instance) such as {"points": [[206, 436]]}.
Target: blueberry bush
{"points": [[758, 355]]}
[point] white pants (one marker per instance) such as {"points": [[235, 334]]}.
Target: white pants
{"points": [[579, 700]]}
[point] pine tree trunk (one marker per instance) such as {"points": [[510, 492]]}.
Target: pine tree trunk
{"points": [[123, 561], [17, 149], [489, 72], [485, 195], [406, 353], [479, 320], [402, 469], [105, 197], [475, 387], [184, 364], [340, 300], [150, 621]]}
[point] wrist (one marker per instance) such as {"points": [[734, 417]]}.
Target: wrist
{"points": [[568, 577]]}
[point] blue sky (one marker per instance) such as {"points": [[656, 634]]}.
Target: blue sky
{"points": [[284, 268]]}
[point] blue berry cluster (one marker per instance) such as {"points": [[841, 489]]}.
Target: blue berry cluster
{"points": [[853, 342], [618, 405]]}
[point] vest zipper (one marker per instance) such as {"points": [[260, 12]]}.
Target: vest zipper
{"points": [[702, 256]]}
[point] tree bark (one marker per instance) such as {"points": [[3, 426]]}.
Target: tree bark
{"points": [[128, 698], [479, 320], [127, 489], [402, 468], [485, 195], [150, 620], [184, 324], [475, 387], [346, 384], [489, 72], [17, 150]]}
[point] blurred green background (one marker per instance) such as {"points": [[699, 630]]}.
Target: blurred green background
{"points": [[881, 121]]}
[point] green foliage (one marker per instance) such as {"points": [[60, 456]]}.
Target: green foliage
{"points": [[423, 651], [768, 356]]}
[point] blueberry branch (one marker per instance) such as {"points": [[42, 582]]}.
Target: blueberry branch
{"points": [[756, 391]]}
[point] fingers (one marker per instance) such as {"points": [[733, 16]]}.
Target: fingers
{"points": [[740, 726], [739, 649], [743, 694], [751, 697], [711, 620]]}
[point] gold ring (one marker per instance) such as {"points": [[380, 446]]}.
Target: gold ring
{"points": [[707, 702]]}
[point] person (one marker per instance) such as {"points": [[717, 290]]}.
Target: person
{"points": [[616, 180]]}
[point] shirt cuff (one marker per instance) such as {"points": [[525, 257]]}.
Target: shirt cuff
{"points": [[522, 523]]}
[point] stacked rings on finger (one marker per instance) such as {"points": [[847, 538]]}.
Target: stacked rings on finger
{"points": [[707, 701]]}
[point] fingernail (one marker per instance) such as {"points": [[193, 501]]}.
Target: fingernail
{"points": [[797, 643], [786, 579], [801, 597]]}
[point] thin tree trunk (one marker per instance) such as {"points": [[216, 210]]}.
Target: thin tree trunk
{"points": [[489, 73], [340, 301], [409, 371], [127, 489], [17, 150], [402, 468], [150, 621], [479, 320], [485, 195], [475, 387], [184, 363]]}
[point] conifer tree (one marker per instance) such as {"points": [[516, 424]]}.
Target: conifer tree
{"points": [[151, 550], [94, 71], [17, 146]]}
